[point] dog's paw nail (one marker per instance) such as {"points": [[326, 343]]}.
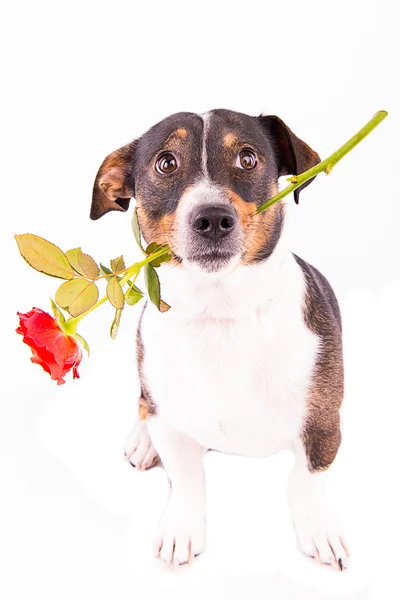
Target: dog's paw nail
{"points": [[182, 538], [315, 538]]}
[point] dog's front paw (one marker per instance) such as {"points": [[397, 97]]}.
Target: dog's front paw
{"points": [[180, 536], [319, 537], [139, 449]]}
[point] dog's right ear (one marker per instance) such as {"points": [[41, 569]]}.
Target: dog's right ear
{"points": [[114, 185], [293, 155]]}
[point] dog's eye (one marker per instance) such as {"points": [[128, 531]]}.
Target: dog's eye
{"points": [[246, 159], [166, 163]]}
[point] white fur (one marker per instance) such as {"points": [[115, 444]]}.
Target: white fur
{"points": [[229, 365], [317, 528], [181, 532], [206, 121]]}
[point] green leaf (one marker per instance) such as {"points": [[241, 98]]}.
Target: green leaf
{"points": [[83, 342], [106, 271], [153, 288], [115, 293], [77, 296], [57, 312], [83, 263], [133, 295], [134, 287], [117, 264], [136, 230], [115, 324], [152, 284], [44, 256], [154, 247]]}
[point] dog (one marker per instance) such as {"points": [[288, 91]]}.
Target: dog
{"points": [[248, 360]]}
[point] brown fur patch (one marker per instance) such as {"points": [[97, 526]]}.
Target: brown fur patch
{"points": [[113, 184], [175, 138], [260, 230], [230, 140], [166, 223], [264, 233], [321, 434], [162, 230], [181, 133], [111, 190], [152, 230], [142, 409]]}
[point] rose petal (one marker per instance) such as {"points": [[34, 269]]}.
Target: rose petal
{"points": [[55, 351]]}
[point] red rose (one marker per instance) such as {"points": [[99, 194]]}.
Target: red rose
{"points": [[51, 347]]}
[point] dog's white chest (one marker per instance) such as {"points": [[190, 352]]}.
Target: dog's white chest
{"points": [[235, 385]]}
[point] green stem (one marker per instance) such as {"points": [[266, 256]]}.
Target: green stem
{"points": [[132, 283], [71, 325], [327, 164], [135, 268], [297, 180]]}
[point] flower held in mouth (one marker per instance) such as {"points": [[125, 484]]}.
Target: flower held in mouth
{"points": [[53, 349]]}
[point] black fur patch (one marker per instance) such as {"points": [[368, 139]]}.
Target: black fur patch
{"points": [[321, 431], [160, 194], [255, 186]]}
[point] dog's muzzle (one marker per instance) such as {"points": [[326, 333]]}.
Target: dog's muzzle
{"points": [[213, 235]]}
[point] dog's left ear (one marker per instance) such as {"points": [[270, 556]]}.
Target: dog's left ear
{"points": [[114, 185], [293, 155]]}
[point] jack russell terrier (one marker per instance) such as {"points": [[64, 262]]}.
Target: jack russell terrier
{"points": [[248, 360]]}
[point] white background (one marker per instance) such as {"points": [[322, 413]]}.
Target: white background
{"points": [[83, 78]]}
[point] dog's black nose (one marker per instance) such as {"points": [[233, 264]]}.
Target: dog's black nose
{"points": [[213, 221]]}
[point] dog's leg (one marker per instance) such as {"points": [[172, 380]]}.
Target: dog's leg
{"points": [[317, 528], [138, 447], [181, 532]]}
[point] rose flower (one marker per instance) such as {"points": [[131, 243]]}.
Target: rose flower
{"points": [[51, 347]]}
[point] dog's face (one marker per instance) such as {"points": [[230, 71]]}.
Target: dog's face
{"points": [[198, 181]]}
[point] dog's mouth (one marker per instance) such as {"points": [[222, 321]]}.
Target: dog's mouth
{"points": [[208, 261], [211, 260]]}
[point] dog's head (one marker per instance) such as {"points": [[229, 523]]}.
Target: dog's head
{"points": [[198, 180]]}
